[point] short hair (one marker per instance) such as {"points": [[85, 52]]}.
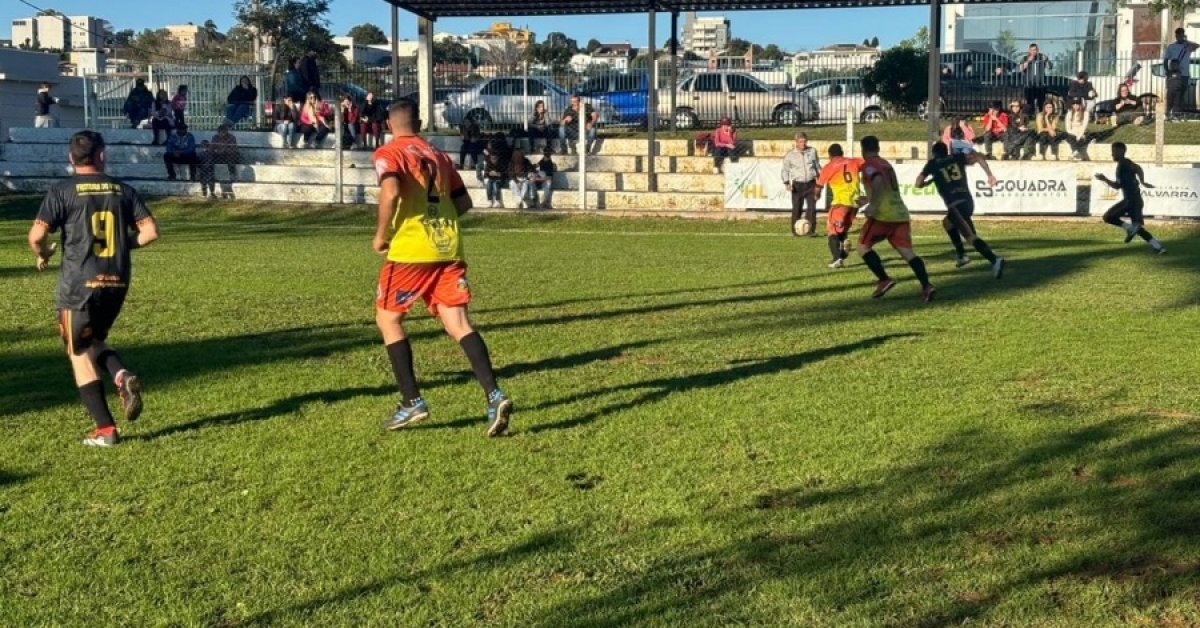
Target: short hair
{"points": [[835, 150], [405, 110], [870, 144], [1119, 146], [996, 104], [957, 133], [1082, 76], [940, 150], [1033, 45], [44, 85], [86, 147], [801, 135], [1181, 31]]}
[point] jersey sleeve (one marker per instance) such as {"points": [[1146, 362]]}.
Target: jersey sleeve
{"points": [[135, 208], [53, 212], [386, 164], [826, 174], [929, 169]]}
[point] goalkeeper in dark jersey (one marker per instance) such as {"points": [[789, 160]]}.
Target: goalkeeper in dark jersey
{"points": [[101, 220], [949, 173]]}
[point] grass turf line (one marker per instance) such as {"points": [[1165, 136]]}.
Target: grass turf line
{"points": [[709, 431]]}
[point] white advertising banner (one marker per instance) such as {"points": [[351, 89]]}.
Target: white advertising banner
{"points": [[1022, 188], [1176, 192]]}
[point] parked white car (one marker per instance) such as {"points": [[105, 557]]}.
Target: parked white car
{"points": [[834, 95], [509, 101]]}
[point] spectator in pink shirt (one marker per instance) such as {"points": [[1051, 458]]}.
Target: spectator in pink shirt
{"points": [[967, 130], [724, 143], [179, 104]]}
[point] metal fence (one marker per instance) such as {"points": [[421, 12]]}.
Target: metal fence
{"points": [[208, 88]]}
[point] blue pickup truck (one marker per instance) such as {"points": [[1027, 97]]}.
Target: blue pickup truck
{"points": [[627, 93]]}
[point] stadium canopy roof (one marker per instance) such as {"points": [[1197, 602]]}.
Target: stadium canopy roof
{"points": [[435, 9]]}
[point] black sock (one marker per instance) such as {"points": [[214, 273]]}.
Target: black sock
{"points": [[918, 266], [401, 357], [481, 362], [956, 240], [92, 396], [1143, 234], [109, 361], [835, 247], [871, 259], [842, 252], [984, 250]]}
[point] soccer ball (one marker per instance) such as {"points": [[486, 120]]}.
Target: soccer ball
{"points": [[801, 227]]}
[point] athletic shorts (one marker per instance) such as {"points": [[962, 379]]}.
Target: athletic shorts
{"points": [[79, 328], [438, 285], [898, 234], [839, 220], [959, 215]]}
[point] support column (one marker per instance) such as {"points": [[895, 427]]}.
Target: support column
{"points": [[396, 52], [674, 67], [425, 70], [933, 110], [652, 108]]}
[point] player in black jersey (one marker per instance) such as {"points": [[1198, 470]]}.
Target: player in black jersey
{"points": [[1129, 175], [949, 173], [102, 220]]}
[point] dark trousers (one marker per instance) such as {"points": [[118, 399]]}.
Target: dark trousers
{"points": [[720, 153], [990, 138], [313, 135], [1046, 139], [804, 199], [1035, 97], [472, 149], [170, 159], [1127, 207], [370, 133], [1018, 144], [1079, 144], [1176, 86]]}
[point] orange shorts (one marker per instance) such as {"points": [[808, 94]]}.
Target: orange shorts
{"points": [[440, 284], [839, 220], [898, 234]]}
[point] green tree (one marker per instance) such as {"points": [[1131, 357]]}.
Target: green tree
{"points": [[122, 38], [900, 77], [367, 34], [447, 51], [866, 42], [1006, 44], [1176, 8], [555, 52], [593, 45], [919, 40], [874, 42], [772, 53], [293, 27], [737, 47]]}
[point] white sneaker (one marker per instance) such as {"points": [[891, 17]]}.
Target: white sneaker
{"points": [[716, 171], [837, 263], [962, 261], [998, 268]]}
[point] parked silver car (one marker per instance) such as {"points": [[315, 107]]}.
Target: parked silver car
{"points": [[509, 101], [705, 97], [835, 95]]}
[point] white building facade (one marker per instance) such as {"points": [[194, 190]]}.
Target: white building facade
{"points": [[58, 32], [705, 36]]}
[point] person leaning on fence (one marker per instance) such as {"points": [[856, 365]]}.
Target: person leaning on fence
{"points": [[42, 118], [293, 81], [139, 104], [543, 179], [370, 123], [1177, 60], [520, 169], [225, 150], [1034, 67], [1049, 130], [568, 126], [1081, 89], [179, 105], [313, 125], [472, 143], [801, 166], [285, 121], [724, 143], [995, 125], [239, 105], [163, 118], [1126, 108], [1077, 130], [181, 149], [1019, 138]]}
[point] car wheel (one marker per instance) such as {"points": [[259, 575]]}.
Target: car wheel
{"points": [[871, 116], [686, 119], [480, 117], [788, 115]]}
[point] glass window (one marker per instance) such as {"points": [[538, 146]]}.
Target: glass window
{"points": [[742, 83], [819, 91], [536, 88], [494, 88], [855, 88], [708, 83], [627, 83], [687, 85], [595, 85]]}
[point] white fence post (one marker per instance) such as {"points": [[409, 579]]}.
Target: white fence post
{"points": [[86, 98], [849, 132], [582, 154], [337, 162]]}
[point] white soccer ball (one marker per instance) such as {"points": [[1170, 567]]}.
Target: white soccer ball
{"points": [[801, 227]]}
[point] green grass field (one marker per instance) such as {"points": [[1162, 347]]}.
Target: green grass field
{"points": [[712, 429]]}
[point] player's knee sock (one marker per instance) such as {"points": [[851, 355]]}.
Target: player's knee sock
{"points": [[400, 355], [109, 361], [984, 250], [871, 259], [1114, 221], [956, 240], [842, 252], [481, 363], [918, 266], [92, 396], [835, 247], [1143, 234]]}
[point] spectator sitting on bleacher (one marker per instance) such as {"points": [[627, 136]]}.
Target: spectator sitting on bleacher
{"points": [[1077, 130], [724, 143], [239, 105], [179, 104], [540, 127], [472, 143], [520, 170], [349, 113], [181, 149], [1019, 138], [370, 123], [1049, 133], [968, 136], [225, 150], [163, 118], [543, 179], [208, 176], [495, 167], [1126, 108], [995, 124], [139, 104], [314, 125], [285, 121]]}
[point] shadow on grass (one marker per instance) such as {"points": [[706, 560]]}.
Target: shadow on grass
{"points": [[37, 380], [978, 521], [8, 478], [663, 387], [536, 545]]}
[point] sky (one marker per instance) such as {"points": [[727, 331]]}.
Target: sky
{"points": [[790, 30]]}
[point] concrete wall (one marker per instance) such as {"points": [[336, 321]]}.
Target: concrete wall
{"points": [[20, 74]]}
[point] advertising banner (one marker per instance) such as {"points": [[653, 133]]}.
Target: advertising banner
{"points": [[1175, 192]]}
